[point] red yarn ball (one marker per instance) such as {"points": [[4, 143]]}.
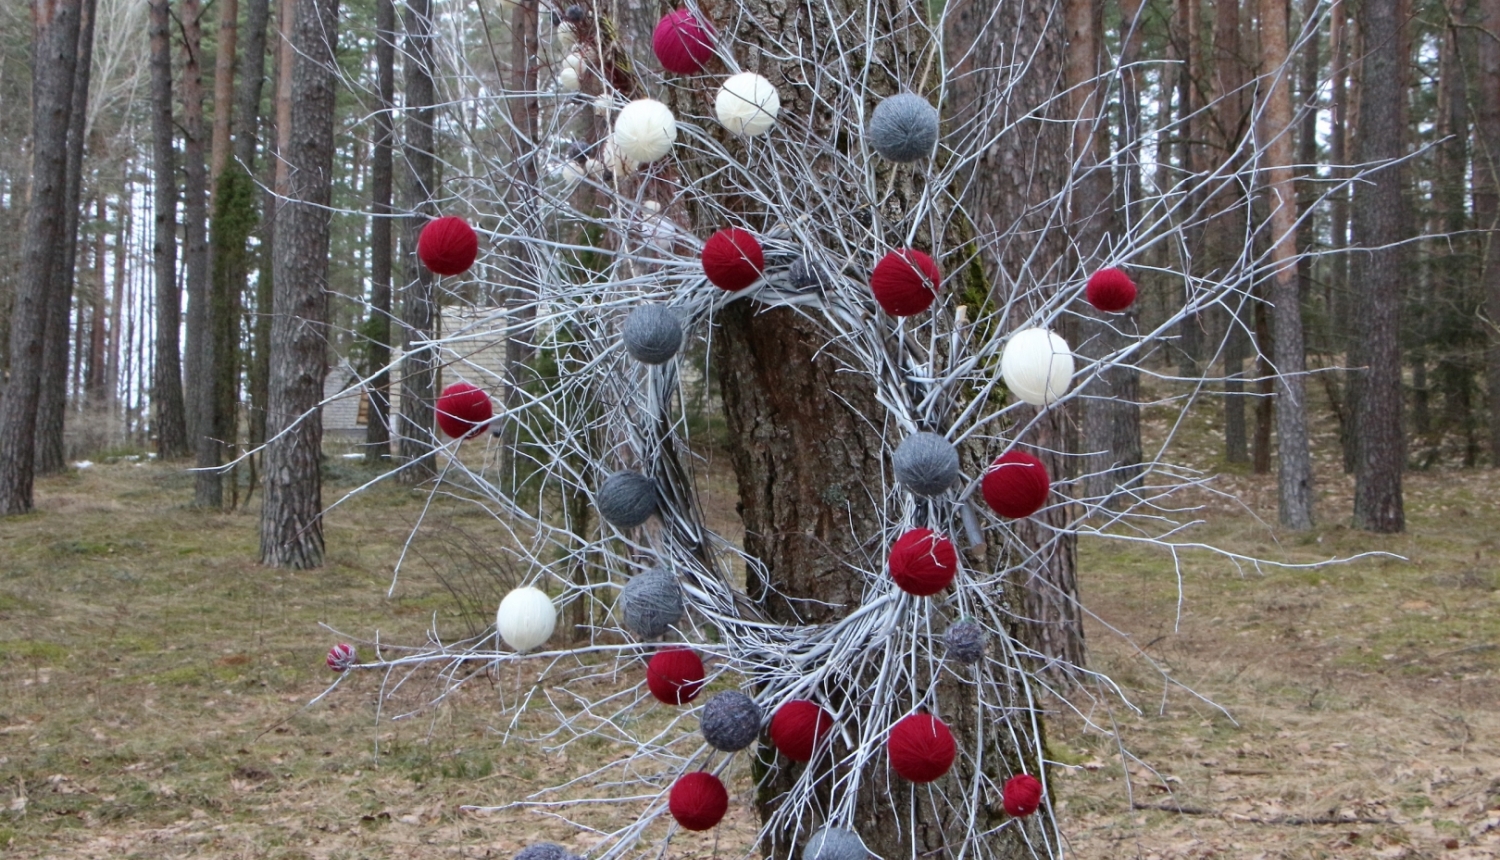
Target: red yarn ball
{"points": [[682, 42], [698, 800], [798, 726], [448, 245], [905, 282], [1110, 290], [1016, 485], [463, 410], [341, 657], [732, 259], [921, 747], [1022, 795], [675, 676], [923, 562]]}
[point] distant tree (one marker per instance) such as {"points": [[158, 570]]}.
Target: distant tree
{"points": [[169, 420], [419, 302], [378, 425], [1486, 158]]}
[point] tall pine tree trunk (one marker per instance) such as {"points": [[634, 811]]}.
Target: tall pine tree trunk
{"points": [[378, 427], [169, 417], [1487, 198], [419, 300], [199, 357]]}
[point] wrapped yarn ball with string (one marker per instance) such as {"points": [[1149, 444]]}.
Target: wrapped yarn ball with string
{"points": [[835, 843], [645, 130], [923, 562], [341, 657], [732, 259], [1037, 366], [1110, 290], [698, 801], [798, 726], [1016, 485], [921, 748], [926, 463], [626, 499], [448, 245], [682, 42], [965, 641], [905, 282], [747, 104], [526, 618], [904, 127], [545, 851], [651, 603], [652, 334], [1022, 795], [464, 410], [675, 676], [567, 80], [730, 721]]}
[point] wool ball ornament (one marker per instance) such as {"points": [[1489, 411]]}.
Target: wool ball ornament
{"points": [[1016, 485], [747, 104], [798, 726], [1022, 795], [965, 641], [652, 334], [567, 80], [567, 37], [905, 282], [464, 410], [682, 42], [835, 843], [923, 562], [645, 130], [1037, 366], [651, 603], [341, 657], [698, 801], [921, 748], [626, 499], [675, 676], [926, 463], [526, 618], [904, 127], [1110, 290], [732, 259], [448, 245], [545, 851], [730, 721]]}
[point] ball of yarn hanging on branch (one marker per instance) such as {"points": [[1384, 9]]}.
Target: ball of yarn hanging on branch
{"points": [[1110, 290], [464, 410], [921, 748], [526, 618], [732, 259], [545, 851], [626, 499], [448, 245], [835, 843], [923, 562], [730, 721], [675, 676], [698, 801], [747, 104], [1016, 485], [904, 127], [567, 80], [1037, 366], [798, 726], [341, 657], [905, 282], [645, 130], [652, 334], [682, 42], [965, 641], [651, 603], [1022, 795], [926, 463]]}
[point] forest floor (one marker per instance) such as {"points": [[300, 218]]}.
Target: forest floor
{"points": [[155, 685]]}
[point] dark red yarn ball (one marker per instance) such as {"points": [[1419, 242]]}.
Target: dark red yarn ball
{"points": [[682, 42], [1110, 290], [1022, 795], [798, 726], [923, 562], [675, 676], [448, 245], [1016, 485], [921, 747], [463, 410], [905, 282], [698, 800], [732, 259]]}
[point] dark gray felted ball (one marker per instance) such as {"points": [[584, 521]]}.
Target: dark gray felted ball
{"points": [[965, 641], [804, 274], [652, 334], [545, 851], [904, 127], [626, 499], [835, 843], [730, 721], [926, 464], [651, 603]]}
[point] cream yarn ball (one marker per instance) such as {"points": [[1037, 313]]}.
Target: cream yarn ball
{"points": [[645, 130], [567, 80], [526, 618], [747, 104], [1037, 366]]}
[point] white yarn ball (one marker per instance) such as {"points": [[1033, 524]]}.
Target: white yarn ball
{"points": [[1037, 366], [747, 104], [566, 35], [615, 160], [574, 61], [526, 618], [567, 80], [645, 130], [565, 177]]}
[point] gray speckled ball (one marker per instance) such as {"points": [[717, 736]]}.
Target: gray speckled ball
{"points": [[545, 851], [651, 603], [835, 843], [965, 641], [730, 721], [804, 274], [904, 127], [926, 464], [626, 499], [652, 334]]}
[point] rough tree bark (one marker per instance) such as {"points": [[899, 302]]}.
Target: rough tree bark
{"points": [[167, 403], [378, 427], [1487, 198], [418, 307]]}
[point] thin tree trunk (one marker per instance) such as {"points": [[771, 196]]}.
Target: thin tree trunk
{"points": [[419, 306], [1486, 159], [378, 427], [98, 312], [114, 377], [1236, 439], [524, 119], [202, 394], [1335, 300], [167, 403], [229, 13]]}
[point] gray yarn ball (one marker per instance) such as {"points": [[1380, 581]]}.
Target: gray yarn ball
{"points": [[652, 334], [651, 603], [804, 274], [965, 641], [835, 843], [545, 851], [926, 464], [730, 721], [626, 499], [904, 127]]}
